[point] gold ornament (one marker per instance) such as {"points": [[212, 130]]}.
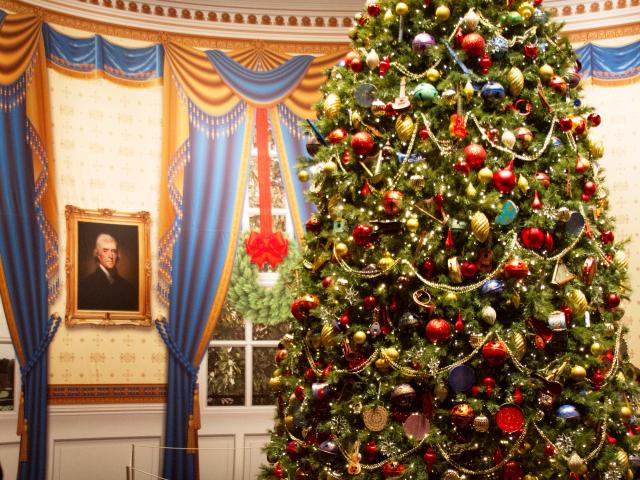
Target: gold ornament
{"points": [[577, 464], [519, 344], [625, 414], [481, 423], [385, 262], [596, 349], [476, 339], [595, 145], [469, 91], [372, 59], [288, 422], [332, 105], [382, 365], [578, 373], [359, 337], [526, 10], [471, 191], [443, 13], [341, 249], [528, 476], [508, 139], [546, 72], [488, 314], [451, 298], [523, 183], [328, 335], [450, 475], [375, 418], [275, 384], [314, 339], [433, 75], [329, 167], [392, 353], [416, 182], [485, 175], [524, 448], [455, 273], [413, 224], [515, 299], [402, 8], [470, 21], [388, 16], [377, 108], [620, 260], [356, 119], [516, 81], [404, 127], [303, 175], [441, 392], [450, 96], [622, 458], [480, 226], [579, 301]]}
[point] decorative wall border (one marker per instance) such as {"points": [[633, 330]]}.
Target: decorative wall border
{"points": [[80, 394]]}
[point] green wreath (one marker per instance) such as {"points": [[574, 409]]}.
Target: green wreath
{"points": [[256, 303]]}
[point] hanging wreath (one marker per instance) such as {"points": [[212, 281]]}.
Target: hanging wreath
{"points": [[268, 306]]}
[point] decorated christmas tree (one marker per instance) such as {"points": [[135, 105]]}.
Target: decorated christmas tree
{"points": [[458, 311]]}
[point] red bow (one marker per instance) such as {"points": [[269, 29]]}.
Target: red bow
{"points": [[268, 248]]}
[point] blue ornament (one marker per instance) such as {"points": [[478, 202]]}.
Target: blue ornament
{"points": [[575, 224], [540, 17], [328, 446], [492, 90], [462, 378], [634, 461], [508, 214], [542, 46], [577, 102], [568, 412], [498, 47], [411, 159], [425, 92], [492, 287], [556, 142]]}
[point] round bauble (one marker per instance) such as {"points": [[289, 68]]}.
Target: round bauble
{"points": [[413, 224], [532, 237], [625, 413], [404, 127], [359, 337], [596, 349], [341, 249], [422, 42], [492, 90], [433, 75], [462, 415], [524, 136], [303, 175], [485, 175], [392, 202], [526, 10], [313, 225], [594, 119], [469, 269], [504, 179], [488, 314], [480, 226], [425, 92], [473, 44], [492, 287], [403, 395], [337, 136], [363, 235], [386, 262], [438, 330], [498, 46], [475, 155], [373, 8], [513, 18], [558, 84], [362, 143], [516, 268], [402, 8], [443, 13], [495, 352], [612, 300], [578, 373], [481, 423], [568, 412]]}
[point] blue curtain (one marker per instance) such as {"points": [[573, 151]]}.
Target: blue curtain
{"points": [[610, 63], [214, 185], [22, 252]]}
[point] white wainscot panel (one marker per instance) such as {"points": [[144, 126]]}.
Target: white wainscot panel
{"points": [[253, 455], [104, 459], [216, 463], [9, 459]]}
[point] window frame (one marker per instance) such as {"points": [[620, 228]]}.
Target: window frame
{"points": [[6, 340]]}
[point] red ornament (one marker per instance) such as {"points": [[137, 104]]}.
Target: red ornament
{"points": [[344, 318], [495, 352], [536, 204], [549, 450], [579, 125], [299, 392], [357, 65], [363, 235], [337, 136], [459, 325], [301, 306], [448, 243], [504, 179], [509, 418], [468, 269], [607, 237], [346, 157], [393, 469], [493, 133], [530, 50], [313, 225], [371, 451], [281, 354], [488, 383], [365, 191], [392, 202], [362, 143], [516, 268], [310, 375], [385, 63], [459, 129], [430, 458], [475, 391], [373, 8], [611, 440], [582, 164], [566, 124], [473, 44], [428, 268], [612, 300], [459, 37], [517, 396], [475, 155], [548, 242], [424, 134], [461, 166], [532, 237], [349, 57], [598, 379], [278, 471], [438, 330], [485, 63], [498, 456], [568, 313], [594, 119], [589, 188], [370, 302], [558, 84], [512, 471], [327, 281], [292, 449]]}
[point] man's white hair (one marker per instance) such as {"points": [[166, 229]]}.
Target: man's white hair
{"points": [[101, 240]]}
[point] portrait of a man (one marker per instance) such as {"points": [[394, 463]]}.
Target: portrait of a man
{"points": [[109, 271], [104, 288]]}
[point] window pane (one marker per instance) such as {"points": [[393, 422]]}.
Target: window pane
{"points": [[226, 376], [279, 222], [7, 370], [253, 193], [230, 325], [269, 332], [277, 185], [263, 367]]}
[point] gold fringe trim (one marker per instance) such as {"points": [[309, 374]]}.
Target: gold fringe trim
{"points": [[101, 74], [614, 82]]}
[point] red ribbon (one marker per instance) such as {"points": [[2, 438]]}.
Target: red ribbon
{"points": [[267, 248]]}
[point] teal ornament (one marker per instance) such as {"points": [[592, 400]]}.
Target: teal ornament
{"points": [[568, 412], [458, 228], [513, 18], [491, 288], [575, 224], [492, 90], [425, 92], [540, 17], [338, 226], [497, 47], [462, 378], [508, 213]]}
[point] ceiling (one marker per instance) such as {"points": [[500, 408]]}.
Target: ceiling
{"points": [[296, 20]]}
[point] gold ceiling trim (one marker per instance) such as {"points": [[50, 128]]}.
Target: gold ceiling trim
{"points": [[604, 33], [154, 36]]}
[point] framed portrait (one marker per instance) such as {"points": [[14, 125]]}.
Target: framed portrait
{"points": [[108, 267]]}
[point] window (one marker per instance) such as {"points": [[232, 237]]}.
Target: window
{"points": [[241, 352], [7, 366]]}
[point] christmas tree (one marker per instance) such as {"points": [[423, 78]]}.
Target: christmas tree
{"points": [[458, 312]]}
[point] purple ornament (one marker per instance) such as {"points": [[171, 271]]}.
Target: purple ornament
{"points": [[416, 426], [422, 42]]}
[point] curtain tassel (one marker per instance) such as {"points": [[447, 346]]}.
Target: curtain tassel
{"points": [[24, 452], [192, 437], [197, 423]]}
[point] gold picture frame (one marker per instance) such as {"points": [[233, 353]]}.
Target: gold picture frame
{"points": [[108, 267]]}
